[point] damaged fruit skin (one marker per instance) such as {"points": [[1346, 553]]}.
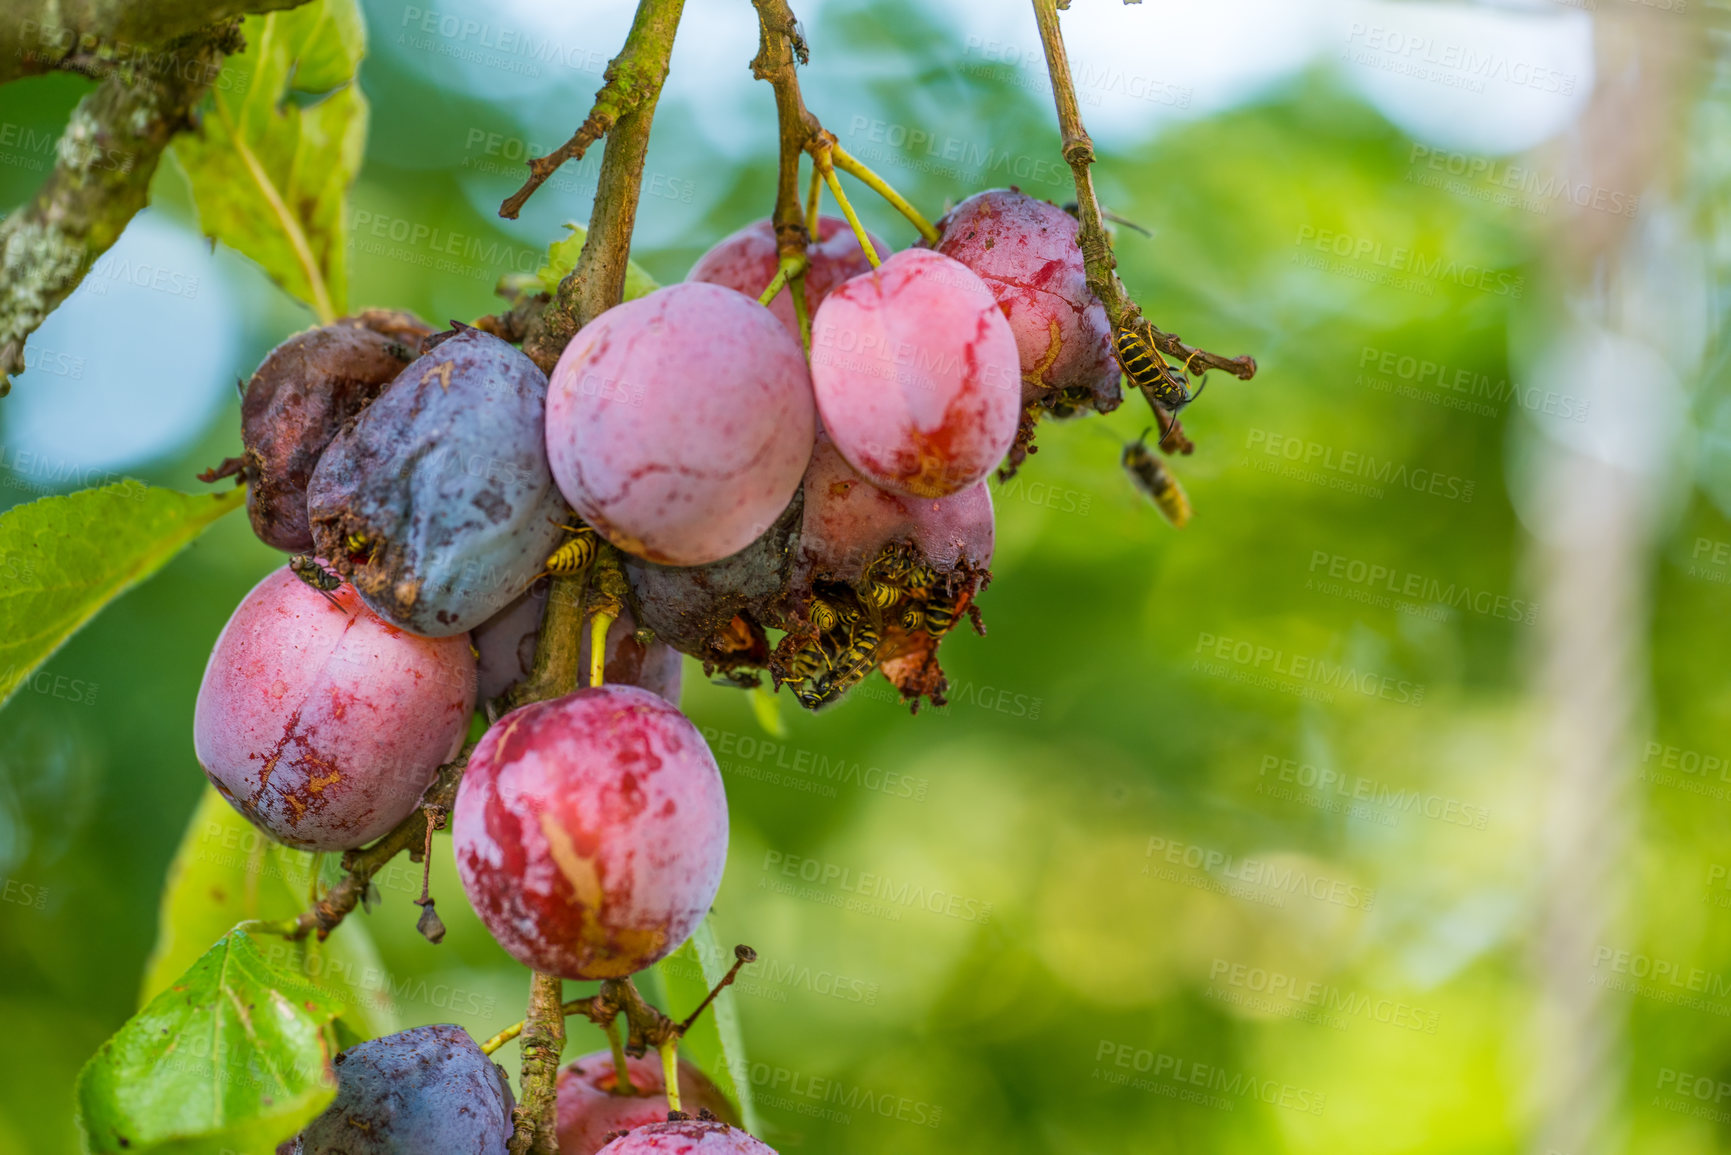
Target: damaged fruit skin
{"points": [[437, 502], [590, 1110], [426, 1089], [679, 424], [297, 401], [590, 832], [1025, 251], [848, 521], [687, 1137], [323, 724], [717, 612], [748, 261], [506, 645]]}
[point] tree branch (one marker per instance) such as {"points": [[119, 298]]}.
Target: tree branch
{"points": [[95, 37], [110, 149], [1091, 234], [543, 1042], [598, 281], [780, 50]]}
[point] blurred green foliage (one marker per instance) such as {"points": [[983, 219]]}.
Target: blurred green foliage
{"points": [[1037, 920]]}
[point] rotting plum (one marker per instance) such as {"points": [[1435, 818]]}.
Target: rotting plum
{"points": [[1025, 251], [427, 1089], [590, 832], [688, 1137], [748, 261], [590, 1108], [717, 612], [880, 579], [437, 502], [323, 724], [848, 522], [506, 641], [679, 424], [916, 375], [299, 398]]}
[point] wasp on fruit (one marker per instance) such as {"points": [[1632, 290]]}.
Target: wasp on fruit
{"points": [[575, 555], [1148, 370], [1150, 475], [316, 576]]}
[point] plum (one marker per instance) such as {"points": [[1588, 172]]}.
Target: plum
{"points": [[590, 832], [590, 1108], [916, 375], [1025, 251], [323, 724], [678, 424], [717, 612], [748, 260], [437, 502], [687, 1137], [301, 395], [427, 1089]]}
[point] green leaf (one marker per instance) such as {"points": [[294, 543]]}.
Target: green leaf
{"points": [[225, 872], [562, 258], [235, 1055], [714, 1042], [69, 556], [282, 139]]}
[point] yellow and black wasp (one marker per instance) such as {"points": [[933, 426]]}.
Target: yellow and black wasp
{"points": [[842, 653], [316, 576], [1148, 370], [1153, 478], [575, 555]]}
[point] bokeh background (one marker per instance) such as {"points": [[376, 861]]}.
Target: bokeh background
{"points": [[1382, 809]]}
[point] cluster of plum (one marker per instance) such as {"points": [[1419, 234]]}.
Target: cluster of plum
{"points": [[425, 483]]}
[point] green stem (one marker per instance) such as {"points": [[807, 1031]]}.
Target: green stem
{"points": [[599, 624], [622, 1084], [865, 242], [812, 202], [848, 164], [669, 1049]]}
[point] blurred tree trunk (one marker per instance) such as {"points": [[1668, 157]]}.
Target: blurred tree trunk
{"points": [[1592, 492]]}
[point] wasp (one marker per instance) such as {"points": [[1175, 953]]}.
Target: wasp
{"points": [[913, 618], [361, 547], [1148, 370], [940, 616], [316, 576], [575, 555], [845, 667], [882, 595], [1150, 475]]}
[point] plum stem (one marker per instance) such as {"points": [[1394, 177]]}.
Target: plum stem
{"points": [[828, 171], [622, 1084], [801, 314], [599, 624], [846, 161], [785, 270], [669, 1049], [315, 861], [813, 201]]}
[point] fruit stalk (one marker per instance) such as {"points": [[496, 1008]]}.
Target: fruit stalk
{"points": [[1096, 246]]}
